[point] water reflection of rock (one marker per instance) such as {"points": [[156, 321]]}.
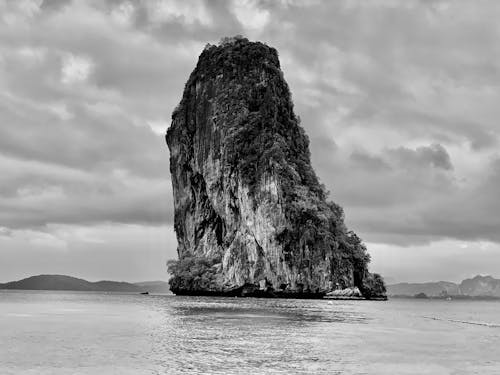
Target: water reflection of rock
{"points": [[257, 311], [248, 334]]}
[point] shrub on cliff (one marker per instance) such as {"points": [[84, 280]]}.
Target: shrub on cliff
{"points": [[192, 273], [373, 286]]}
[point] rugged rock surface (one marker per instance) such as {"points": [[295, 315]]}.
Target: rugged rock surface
{"points": [[251, 217]]}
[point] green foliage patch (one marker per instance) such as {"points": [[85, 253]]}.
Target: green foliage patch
{"points": [[373, 286], [193, 273]]}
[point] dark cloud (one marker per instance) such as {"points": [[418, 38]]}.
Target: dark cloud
{"points": [[434, 155], [34, 195], [429, 211], [86, 140], [369, 162]]}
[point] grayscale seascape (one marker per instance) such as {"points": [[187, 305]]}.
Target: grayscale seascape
{"points": [[249, 187], [46, 332]]}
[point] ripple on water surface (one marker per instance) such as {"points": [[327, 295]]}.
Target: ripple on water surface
{"points": [[96, 333]]}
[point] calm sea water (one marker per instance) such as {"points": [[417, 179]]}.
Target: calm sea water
{"points": [[98, 333]]}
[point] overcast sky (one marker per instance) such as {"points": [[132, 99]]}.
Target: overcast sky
{"points": [[401, 101]]}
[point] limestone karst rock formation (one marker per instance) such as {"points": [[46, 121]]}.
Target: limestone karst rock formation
{"points": [[251, 217]]}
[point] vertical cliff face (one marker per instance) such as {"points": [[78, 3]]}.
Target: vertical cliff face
{"points": [[249, 210]]}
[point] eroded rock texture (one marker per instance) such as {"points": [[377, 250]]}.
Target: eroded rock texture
{"points": [[250, 214]]}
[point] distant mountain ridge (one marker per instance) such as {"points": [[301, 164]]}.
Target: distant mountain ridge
{"points": [[481, 286], [63, 282], [430, 289], [478, 286]]}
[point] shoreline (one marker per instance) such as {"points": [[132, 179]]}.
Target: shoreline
{"points": [[244, 292]]}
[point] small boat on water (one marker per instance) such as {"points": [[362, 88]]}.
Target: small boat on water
{"points": [[144, 293]]}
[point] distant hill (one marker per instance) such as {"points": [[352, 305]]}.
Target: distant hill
{"points": [[479, 286], [62, 282], [431, 289]]}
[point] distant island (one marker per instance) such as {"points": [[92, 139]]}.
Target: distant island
{"points": [[478, 287], [63, 282]]}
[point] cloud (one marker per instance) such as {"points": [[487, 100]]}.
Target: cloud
{"points": [[186, 12], [123, 14], [34, 195], [250, 15], [400, 102], [128, 252], [434, 155], [369, 161], [448, 260], [75, 69]]}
